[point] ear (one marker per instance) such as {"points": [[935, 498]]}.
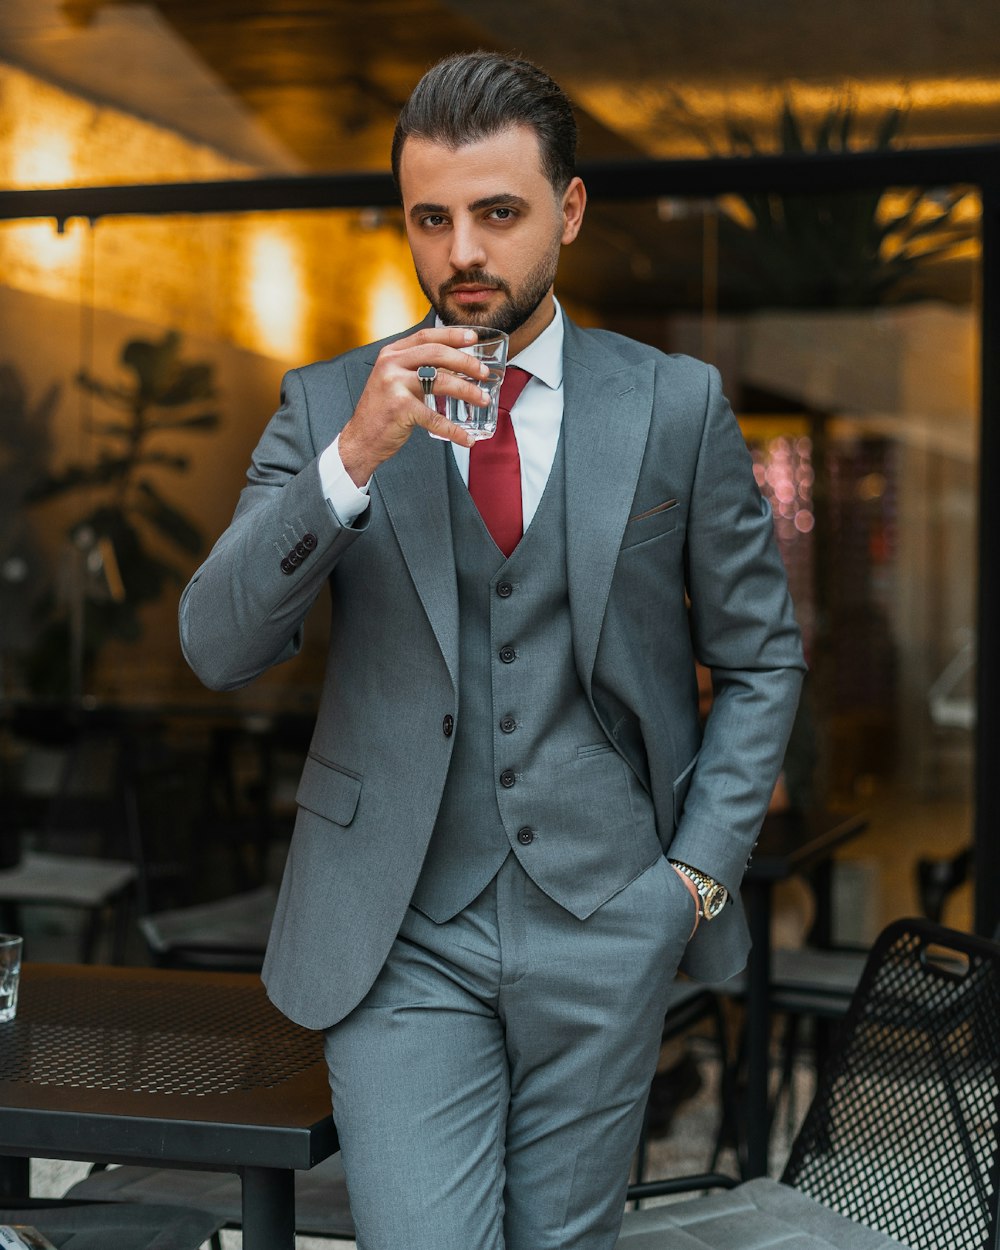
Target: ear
{"points": [[574, 202]]}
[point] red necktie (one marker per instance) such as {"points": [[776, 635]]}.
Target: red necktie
{"points": [[495, 469]]}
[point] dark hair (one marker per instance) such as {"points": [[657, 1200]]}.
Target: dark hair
{"points": [[473, 95]]}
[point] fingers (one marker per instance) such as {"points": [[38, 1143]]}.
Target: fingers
{"points": [[454, 336], [689, 885], [393, 403], [439, 347], [457, 373], [455, 387], [440, 426]]}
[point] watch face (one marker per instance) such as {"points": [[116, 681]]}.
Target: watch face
{"points": [[714, 901]]}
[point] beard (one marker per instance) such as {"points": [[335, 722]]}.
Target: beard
{"points": [[511, 314]]}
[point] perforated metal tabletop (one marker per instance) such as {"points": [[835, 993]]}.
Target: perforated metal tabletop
{"points": [[188, 1068]]}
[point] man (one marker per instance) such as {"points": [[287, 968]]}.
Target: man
{"points": [[478, 906]]}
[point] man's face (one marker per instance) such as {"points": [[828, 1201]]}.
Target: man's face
{"points": [[485, 227]]}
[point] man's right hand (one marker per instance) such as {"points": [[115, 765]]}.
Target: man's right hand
{"points": [[392, 403]]}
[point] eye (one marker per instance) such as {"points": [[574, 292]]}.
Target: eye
{"points": [[502, 214], [433, 220]]}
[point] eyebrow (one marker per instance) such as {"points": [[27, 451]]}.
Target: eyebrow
{"points": [[488, 201]]}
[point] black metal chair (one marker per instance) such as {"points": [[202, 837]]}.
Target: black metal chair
{"points": [[811, 986], [223, 935], [900, 1146], [321, 1205], [112, 1226], [228, 932], [937, 879], [66, 815]]}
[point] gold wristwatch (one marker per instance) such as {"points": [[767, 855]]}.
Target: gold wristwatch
{"points": [[712, 893]]}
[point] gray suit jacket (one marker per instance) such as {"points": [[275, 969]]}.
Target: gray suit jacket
{"points": [[671, 556]]}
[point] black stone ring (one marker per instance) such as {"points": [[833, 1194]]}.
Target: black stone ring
{"points": [[427, 374]]}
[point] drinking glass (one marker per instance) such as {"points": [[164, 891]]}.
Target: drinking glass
{"points": [[10, 974], [480, 422]]}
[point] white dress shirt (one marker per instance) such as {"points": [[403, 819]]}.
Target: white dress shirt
{"points": [[536, 417]]}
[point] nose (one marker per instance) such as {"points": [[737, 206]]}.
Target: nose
{"points": [[467, 250]]}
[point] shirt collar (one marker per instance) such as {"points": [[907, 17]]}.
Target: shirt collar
{"points": [[543, 357]]}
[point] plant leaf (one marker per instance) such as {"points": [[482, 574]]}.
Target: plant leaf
{"points": [[170, 521], [791, 132], [152, 363], [201, 421], [889, 128], [114, 395], [186, 384], [164, 458], [111, 429], [78, 476]]}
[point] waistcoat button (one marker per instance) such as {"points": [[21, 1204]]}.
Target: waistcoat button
{"points": [[448, 724], [508, 654], [504, 590], [526, 836], [508, 724], [507, 778]]}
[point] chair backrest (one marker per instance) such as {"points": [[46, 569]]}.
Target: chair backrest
{"points": [[902, 1132]]}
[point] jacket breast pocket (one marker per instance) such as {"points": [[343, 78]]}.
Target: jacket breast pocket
{"points": [[651, 523], [328, 791]]}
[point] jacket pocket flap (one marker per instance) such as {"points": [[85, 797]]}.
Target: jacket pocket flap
{"points": [[328, 791]]}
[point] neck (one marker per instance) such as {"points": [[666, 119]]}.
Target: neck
{"points": [[539, 320]]}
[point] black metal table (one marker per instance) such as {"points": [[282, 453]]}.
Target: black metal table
{"points": [[789, 843], [125, 1065]]}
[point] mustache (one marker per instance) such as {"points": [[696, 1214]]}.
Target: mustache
{"points": [[473, 277]]}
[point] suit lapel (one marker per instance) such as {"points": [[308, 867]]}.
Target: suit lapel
{"points": [[606, 421], [413, 487]]}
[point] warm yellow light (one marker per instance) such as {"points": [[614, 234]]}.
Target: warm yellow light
{"points": [[41, 156], [392, 305], [52, 258], [275, 292]]}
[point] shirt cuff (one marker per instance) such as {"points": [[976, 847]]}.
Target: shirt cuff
{"points": [[347, 500]]}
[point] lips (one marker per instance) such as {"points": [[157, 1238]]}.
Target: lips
{"points": [[471, 294]]}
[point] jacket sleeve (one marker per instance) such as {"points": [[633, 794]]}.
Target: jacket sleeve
{"points": [[243, 609], [744, 630]]}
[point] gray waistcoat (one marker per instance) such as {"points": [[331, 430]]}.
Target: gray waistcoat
{"points": [[531, 771]]}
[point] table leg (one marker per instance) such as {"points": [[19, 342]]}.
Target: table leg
{"points": [[268, 1208], [757, 1114], [15, 1177]]}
